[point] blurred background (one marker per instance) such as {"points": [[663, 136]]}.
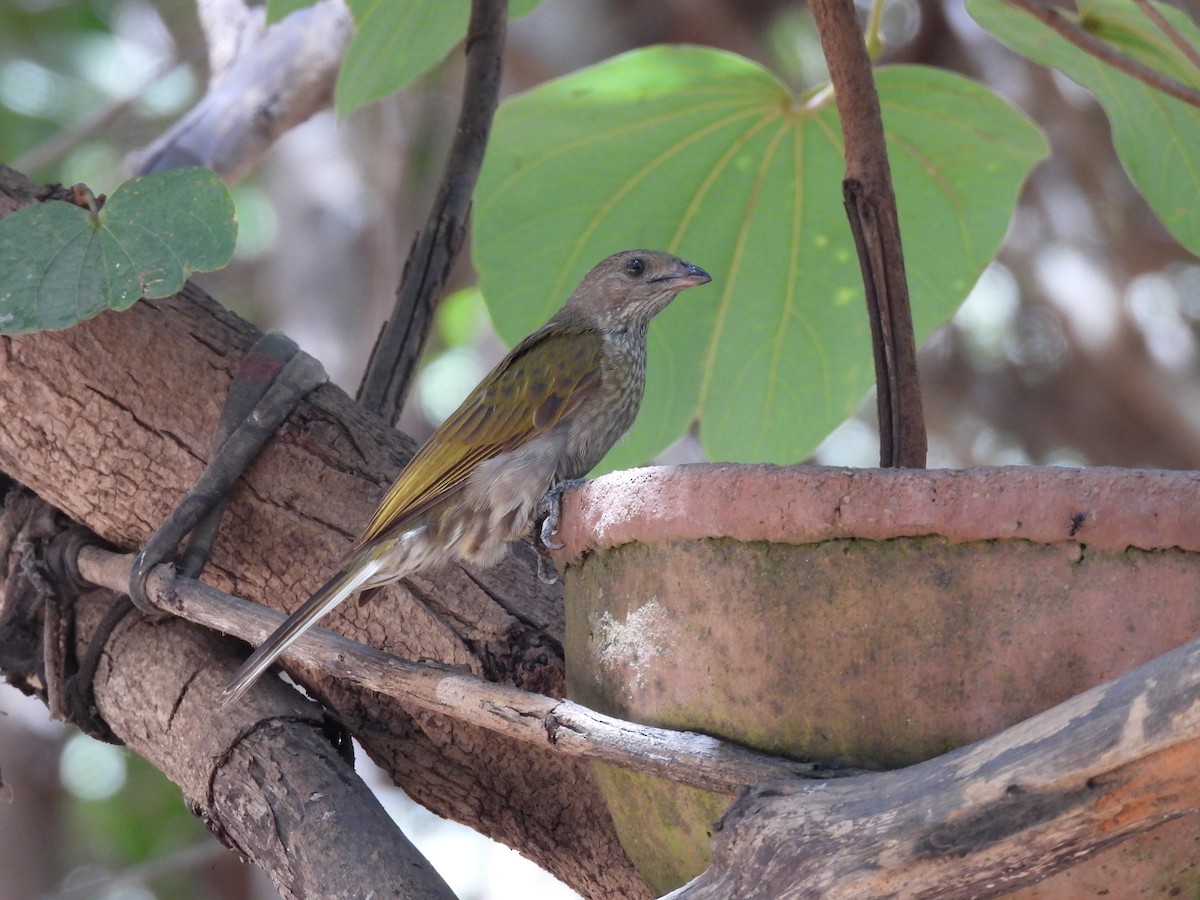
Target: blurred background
{"points": [[1077, 347]]}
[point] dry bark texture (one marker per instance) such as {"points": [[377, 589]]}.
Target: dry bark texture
{"points": [[111, 420], [277, 791]]}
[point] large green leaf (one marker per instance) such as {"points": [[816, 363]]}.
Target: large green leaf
{"points": [[60, 264], [396, 40], [1156, 136], [708, 155]]}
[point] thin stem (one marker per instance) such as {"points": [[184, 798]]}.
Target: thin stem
{"points": [[64, 142], [1091, 44], [874, 40], [871, 208], [1170, 31], [398, 348]]}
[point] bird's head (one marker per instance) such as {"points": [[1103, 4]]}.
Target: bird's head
{"points": [[630, 288]]}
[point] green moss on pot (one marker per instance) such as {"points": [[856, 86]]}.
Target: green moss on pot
{"points": [[882, 653]]}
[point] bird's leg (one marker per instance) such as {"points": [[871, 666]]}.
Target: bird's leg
{"points": [[546, 525], [548, 511], [271, 381]]}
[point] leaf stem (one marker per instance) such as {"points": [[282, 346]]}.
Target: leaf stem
{"points": [[84, 198], [1089, 43], [1170, 31], [874, 41]]}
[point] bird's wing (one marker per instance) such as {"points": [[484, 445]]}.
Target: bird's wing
{"points": [[543, 380]]}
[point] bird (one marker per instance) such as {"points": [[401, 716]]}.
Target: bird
{"points": [[546, 414]]}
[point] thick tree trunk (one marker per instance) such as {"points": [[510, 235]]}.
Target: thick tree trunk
{"points": [[111, 421]]}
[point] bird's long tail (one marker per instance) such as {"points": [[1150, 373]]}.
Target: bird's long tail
{"points": [[356, 573]]}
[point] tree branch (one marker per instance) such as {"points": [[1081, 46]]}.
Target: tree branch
{"points": [[111, 422], [266, 80], [276, 791], [398, 348], [982, 820], [871, 207], [1089, 43], [558, 725]]}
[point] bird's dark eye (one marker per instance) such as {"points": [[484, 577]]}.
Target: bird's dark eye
{"points": [[635, 267]]}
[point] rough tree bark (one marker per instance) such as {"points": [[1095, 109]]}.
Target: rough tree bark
{"points": [[111, 421], [279, 792]]}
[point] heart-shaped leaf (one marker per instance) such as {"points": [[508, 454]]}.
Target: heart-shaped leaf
{"points": [[708, 155], [1156, 136], [60, 264]]}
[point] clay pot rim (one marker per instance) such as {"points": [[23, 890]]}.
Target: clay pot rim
{"points": [[1103, 507]]}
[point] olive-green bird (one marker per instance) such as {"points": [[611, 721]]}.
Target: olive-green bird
{"points": [[547, 413]]}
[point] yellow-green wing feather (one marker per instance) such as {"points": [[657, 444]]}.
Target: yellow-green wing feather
{"points": [[529, 392]]}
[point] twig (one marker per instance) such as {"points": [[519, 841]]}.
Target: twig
{"points": [[692, 759], [400, 342], [1091, 44], [871, 207], [1170, 31]]}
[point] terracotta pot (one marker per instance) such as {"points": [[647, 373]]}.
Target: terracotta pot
{"points": [[882, 617]]}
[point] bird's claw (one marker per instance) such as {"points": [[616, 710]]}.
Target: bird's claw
{"points": [[543, 536], [546, 534], [544, 543], [549, 509]]}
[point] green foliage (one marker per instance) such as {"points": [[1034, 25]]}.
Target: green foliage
{"points": [[397, 40], [458, 318], [63, 264], [143, 822], [279, 9], [709, 155], [49, 55], [1156, 136]]}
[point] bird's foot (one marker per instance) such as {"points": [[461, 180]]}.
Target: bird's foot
{"points": [[546, 572], [548, 511]]}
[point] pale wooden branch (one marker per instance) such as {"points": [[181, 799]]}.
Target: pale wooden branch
{"points": [[1092, 45], [231, 28], [266, 80], [985, 819], [565, 727]]}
